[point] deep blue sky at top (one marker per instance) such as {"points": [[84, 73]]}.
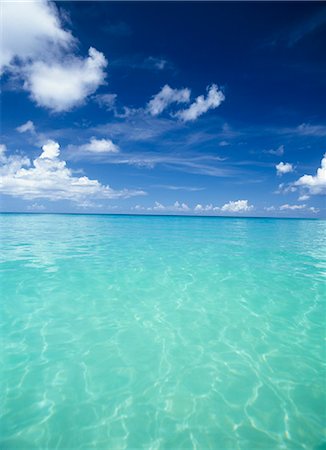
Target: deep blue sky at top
{"points": [[268, 59]]}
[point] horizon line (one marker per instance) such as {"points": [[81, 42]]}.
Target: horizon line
{"points": [[160, 215]]}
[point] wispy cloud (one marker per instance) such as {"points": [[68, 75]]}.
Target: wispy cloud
{"points": [[292, 208], [138, 128], [306, 129], [107, 101], [158, 63], [288, 207], [294, 34], [178, 188], [26, 127], [309, 26], [141, 62], [279, 151]]}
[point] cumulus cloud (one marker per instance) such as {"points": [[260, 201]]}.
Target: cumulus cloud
{"points": [[28, 126], [201, 105], [99, 146], [48, 177], [177, 207], [51, 150], [60, 86], [165, 98], [29, 30], [237, 206], [36, 207], [199, 208], [210, 209], [283, 168], [159, 207], [36, 49], [315, 184]]}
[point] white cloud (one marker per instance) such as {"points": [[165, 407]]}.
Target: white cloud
{"points": [[51, 150], [29, 30], [205, 208], [99, 146], [201, 105], [28, 126], [306, 129], [159, 207], [176, 207], [106, 101], [303, 198], [237, 206], [269, 208], [285, 188], [316, 184], [139, 208], [137, 61], [288, 207], [291, 207], [178, 188], [49, 177], [60, 86], [232, 207], [165, 98], [36, 49], [283, 168], [279, 151], [157, 63], [3, 150], [36, 207]]}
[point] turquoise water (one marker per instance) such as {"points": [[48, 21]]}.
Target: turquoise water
{"points": [[123, 332]]}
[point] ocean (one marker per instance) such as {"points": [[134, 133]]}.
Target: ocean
{"points": [[127, 332]]}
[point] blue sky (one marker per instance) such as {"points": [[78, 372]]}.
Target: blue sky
{"points": [[164, 108]]}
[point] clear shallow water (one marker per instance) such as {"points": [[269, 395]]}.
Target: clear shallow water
{"points": [[162, 332]]}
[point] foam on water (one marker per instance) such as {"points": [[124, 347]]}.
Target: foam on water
{"points": [[162, 332]]}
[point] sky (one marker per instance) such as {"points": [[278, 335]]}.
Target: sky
{"points": [[212, 108]]}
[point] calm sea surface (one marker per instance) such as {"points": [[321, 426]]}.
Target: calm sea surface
{"points": [[125, 332]]}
